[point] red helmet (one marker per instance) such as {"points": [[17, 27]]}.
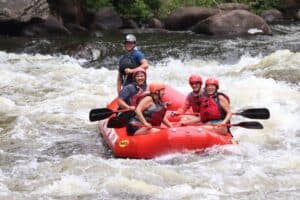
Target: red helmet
{"points": [[195, 79], [155, 87], [140, 70], [212, 81]]}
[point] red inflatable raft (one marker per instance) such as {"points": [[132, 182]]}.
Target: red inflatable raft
{"points": [[165, 141]]}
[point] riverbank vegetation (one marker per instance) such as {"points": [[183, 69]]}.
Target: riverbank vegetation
{"points": [[144, 9]]}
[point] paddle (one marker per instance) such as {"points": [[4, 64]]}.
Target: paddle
{"points": [[248, 125], [255, 113], [252, 113], [121, 120], [103, 113]]}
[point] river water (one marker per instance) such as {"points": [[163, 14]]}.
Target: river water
{"points": [[50, 150]]}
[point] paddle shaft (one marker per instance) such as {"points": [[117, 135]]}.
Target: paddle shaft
{"points": [[249, 125], [103, 113], [252, 113]]}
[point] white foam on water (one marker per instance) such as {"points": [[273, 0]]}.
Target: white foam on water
{"points": [[51, 96], [67, 185]]}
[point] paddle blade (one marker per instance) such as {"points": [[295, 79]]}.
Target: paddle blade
{"points": [[249, 125], [116, 122], [255, 113], [121, 120], [99, 114]]}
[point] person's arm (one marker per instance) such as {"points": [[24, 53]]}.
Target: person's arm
{"points": [[124, 95], [166, 121], [143, 105], [186, 105], [119, 82], [143, 65], [226, 106], [141, 59], [123, 104]]}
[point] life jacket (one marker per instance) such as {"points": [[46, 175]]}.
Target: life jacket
{"points": [[195, 101], [140, 94], [155, 114], [127, 61], [210, 107]]}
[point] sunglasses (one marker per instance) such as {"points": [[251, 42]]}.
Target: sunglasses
{"points": [[195, 83]]}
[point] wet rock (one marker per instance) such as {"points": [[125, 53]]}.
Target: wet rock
{"points": [[89, 51], [129, 24], [289, 7], [183, 18], [76, 28], [23, 11], [106, 19], [155, 23], [297, 15], [236, 22], [51, 25], [70, 11], [272, 15]]}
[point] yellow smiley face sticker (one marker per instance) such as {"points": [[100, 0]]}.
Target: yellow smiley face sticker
{"points": [[123, 143]]}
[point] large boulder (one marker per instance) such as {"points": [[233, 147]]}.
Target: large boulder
{"points": [[236, 22], [106, 19], [290, 7], [272, 15], [297, 15], [70, 11], [184, 18], [52, 25], [130, 24], [155, 23], [23, 10]]}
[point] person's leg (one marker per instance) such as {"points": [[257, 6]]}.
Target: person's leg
{"points": [[189, 120], [145, 130]]}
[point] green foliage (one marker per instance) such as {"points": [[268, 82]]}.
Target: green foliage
{"points": [[258, 6], [154, 6], [134, 9], [167, 7], [203, 3], [93, 5], [141, 10]]}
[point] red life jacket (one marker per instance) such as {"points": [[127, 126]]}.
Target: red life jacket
{"points": [[211, 109], [137, 97], [194, 101]]}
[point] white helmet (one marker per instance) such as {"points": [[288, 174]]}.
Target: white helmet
{"points": [[130, 38]]}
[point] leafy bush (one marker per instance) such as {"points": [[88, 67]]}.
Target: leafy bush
{"points": [[141, 10], [258, 6], [134, 9], [93, 5]]}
